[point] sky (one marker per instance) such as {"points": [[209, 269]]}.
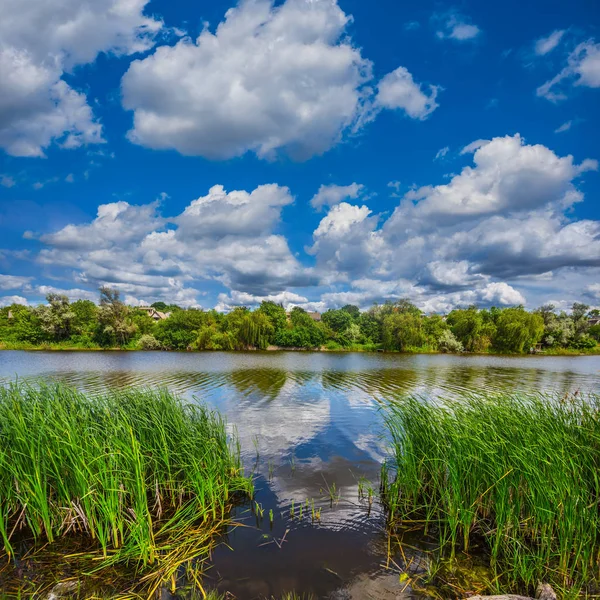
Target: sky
{"points": [[310, 152]]}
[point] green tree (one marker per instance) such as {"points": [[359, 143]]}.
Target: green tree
{"points": [[337, 320], [56, 318], [403, 330], [470, 329], [276, 315], [180, 330], [517, 330], [86, 316], [114, 319]]}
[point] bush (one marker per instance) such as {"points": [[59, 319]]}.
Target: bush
{"points": [[149, 342], [448, 343]]}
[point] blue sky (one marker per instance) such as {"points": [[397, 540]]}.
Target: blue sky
{"points": [[313, 152]]}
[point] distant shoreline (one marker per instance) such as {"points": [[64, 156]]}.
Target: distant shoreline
{"points": [[55, 348]]}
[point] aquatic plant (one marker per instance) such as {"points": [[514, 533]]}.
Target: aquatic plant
{"points": [[519, 475], [145, 477]]}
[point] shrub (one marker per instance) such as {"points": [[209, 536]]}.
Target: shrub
{"points": [[149, 342]]}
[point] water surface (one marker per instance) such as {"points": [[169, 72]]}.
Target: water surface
{"points": [[310, 429]]}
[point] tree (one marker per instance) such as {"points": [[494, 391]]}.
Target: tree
{"points": [[180, 330], [276, 315], [114, 320], [517, 330], [470, 329], [353, 311], [56, 318], [403, 330], [86, 316], [337, 320], [255, 330]]}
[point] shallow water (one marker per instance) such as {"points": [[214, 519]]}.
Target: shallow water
{"points": [[309, 428]]}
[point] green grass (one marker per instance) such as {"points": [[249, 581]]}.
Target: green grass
{"points": [[518, 475], [144, 479]]}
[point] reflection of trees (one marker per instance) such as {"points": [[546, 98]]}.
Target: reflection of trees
{"points": [[266, 382]]}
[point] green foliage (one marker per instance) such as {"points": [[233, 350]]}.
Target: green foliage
{"points": [[149, 342], [518, 474], [470, 329], [517, 330], [446, 342], [393, 326], [180, 330], [139, 473], [337, 320], [56, 318], [403, 330], [115, 325], [594, 332], [276, 315]]}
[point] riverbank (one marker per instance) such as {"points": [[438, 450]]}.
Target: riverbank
{"points": [[367, 349]]}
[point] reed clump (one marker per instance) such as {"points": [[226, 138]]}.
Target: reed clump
{"points": [[145, 477], [518, 475]]}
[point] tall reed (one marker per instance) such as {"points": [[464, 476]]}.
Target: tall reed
{"points": [[145, 477], [521, 473]]}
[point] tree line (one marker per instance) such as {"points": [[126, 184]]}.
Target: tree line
{"points": [[393, 326]]}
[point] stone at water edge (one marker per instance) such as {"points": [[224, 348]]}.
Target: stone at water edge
{"points": [[544, 592]]}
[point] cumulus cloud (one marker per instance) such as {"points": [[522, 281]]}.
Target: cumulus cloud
{"points": [[508, 175], [499, 221], [457, 27], [13, 282], [583, 69], [8, 300], [544, 45], [398, 90], [498, 232], [227, 302], [224, 236], [329, 195], [43, 39], [269, 80]]}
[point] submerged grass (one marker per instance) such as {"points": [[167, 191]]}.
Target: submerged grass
{"points": [[146, 478], [518, 474]]}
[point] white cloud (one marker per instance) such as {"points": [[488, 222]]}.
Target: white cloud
{"points": [[564, 127], [268, 80], [329, 195], [593, 291], [13, 282], [399, 90], [8, 300], [457, 27], [583, 69], [508, 175], [72, 294], [470, 148], [227, 302], [501, 220], [235, 213], [442, 152], [544, 45], [41, 39], [223, 236], [501, 231], [7, 181]]}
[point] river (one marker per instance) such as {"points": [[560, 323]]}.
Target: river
{"points": [[310, 428]]}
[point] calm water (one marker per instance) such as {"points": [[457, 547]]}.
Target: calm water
{"points": [[308, 423]]}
